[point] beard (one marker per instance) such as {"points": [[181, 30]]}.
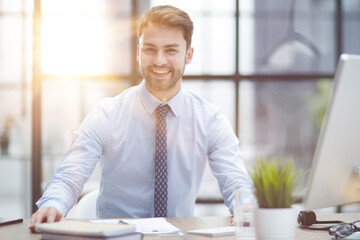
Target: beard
{"points": [[161, 84]]}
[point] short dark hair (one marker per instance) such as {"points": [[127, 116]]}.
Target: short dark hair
{"points": [[167, 15]]}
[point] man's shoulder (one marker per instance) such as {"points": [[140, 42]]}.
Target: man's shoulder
{"points": [[126, 95], [109, 106], [199, 102]]}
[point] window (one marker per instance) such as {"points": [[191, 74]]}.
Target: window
{"points": [[15, 110]]}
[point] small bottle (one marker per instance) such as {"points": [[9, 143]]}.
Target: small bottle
{"points": [[244, 203]]}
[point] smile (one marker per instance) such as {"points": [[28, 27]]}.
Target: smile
{"points": [[160, 71]]}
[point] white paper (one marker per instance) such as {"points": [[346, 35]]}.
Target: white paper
{"points": [[110, 221], [158, 226], [214, 232]]}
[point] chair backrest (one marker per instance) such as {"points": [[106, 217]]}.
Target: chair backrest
{"points": [[86, 207]]}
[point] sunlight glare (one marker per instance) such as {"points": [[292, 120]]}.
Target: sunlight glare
{"points": [[73, 42]]}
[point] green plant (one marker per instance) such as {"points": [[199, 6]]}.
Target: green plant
{"points": [[275, 182], [319, 101]]}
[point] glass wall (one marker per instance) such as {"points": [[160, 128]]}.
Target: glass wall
{"points": [[351, 27], [292, 37], [268, 65], [86, 56], [15, 107]]}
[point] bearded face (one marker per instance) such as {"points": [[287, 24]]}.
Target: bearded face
{"points": [[162, 56]]}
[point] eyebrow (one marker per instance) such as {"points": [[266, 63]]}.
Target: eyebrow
{"points": [[166, 46]]}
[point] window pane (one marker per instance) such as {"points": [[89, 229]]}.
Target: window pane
{"points": [[282, 118], [15, 110], [351, 26], [214, 45], [11, 46], [11, 6], [15, 142], [85, 7], [287, 39], [92, 38]]}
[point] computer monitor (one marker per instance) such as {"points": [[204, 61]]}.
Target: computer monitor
{"points": [[334, 176]]}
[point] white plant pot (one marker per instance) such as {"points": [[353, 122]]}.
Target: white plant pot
{"points": [[275, 223]]}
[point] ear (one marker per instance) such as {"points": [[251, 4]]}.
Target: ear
{"points": [[138, 53], [189, 55]]}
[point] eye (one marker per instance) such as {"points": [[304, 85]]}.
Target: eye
{"points": [[171, 50], [149, 50]]}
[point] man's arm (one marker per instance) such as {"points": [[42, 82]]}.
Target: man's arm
{"points": [[63, 189], [225, 159]]}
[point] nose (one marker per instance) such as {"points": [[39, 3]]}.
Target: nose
{"points": [[159, 59]]}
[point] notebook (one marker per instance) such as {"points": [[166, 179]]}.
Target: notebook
{"points": [[83, 228]]}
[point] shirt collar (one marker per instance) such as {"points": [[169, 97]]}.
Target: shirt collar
{"points": [[150, 102]]}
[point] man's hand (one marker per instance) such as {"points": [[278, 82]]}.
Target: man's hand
{"points": [[45, 214]]}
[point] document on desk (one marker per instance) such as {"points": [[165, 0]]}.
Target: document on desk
{"points": [[154, 226], [214, 232]]}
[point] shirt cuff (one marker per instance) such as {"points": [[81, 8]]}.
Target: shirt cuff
{"points": [[53, 203]]}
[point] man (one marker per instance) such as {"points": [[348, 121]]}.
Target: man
{"points": [[152, 140]]}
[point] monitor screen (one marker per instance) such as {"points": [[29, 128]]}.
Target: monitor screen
{"points": [[334, 176]]}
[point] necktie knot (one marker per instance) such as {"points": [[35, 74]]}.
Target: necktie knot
{"points": [[162, 111]]}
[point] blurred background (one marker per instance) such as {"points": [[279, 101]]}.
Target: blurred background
{"points": [[268, 64]]}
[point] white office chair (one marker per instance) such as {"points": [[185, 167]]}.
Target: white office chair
{"points": [[86, 207]]}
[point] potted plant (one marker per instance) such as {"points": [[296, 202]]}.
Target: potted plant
{"points": [[276, 184], [4, 135]]}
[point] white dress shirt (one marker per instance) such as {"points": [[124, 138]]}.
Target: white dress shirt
{"points": [[120, 132]]}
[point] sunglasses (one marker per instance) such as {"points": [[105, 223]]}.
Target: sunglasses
{"points": [[343, 230]]}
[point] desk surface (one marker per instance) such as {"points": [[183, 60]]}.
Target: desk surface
{"points": [[20, 231]]}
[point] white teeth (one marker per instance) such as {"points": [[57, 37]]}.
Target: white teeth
{"points": [[160, 71]]}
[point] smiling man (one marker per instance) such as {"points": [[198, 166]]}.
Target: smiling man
{"points": [[153, 140], [162, 54]]}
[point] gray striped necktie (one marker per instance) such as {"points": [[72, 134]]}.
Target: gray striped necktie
{"points": [[160, 193]]}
